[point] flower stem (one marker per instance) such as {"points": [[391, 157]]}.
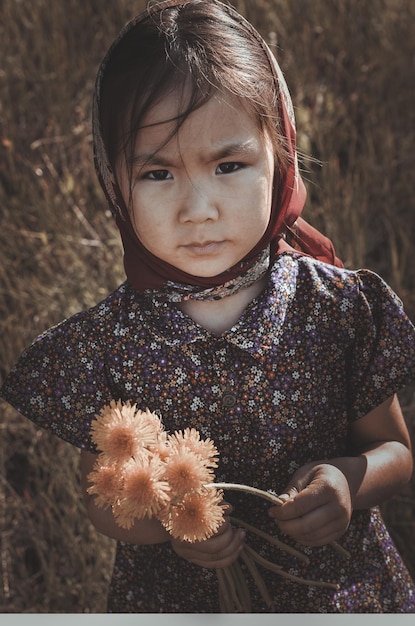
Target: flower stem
{"points": [[241, 586], [225, 601], [278, 570], [233, 591], [259, 581], [265, 495], [271, 539]]}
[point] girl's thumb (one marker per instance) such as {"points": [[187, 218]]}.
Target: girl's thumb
{"points": [[289, 494]]}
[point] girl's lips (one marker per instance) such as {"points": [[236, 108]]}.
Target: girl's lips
{"points": [[205, 247]]}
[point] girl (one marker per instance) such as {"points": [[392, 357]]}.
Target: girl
{"points": [[290, 363]]}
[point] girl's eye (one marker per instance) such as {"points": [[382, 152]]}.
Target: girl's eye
{"points": [[158, 175], [229, 167]]}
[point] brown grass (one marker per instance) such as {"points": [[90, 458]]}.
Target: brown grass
{"points": [[349, 66]]}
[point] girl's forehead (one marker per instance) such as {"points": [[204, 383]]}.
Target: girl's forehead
{"points": [[176, 102], [217, 121]]}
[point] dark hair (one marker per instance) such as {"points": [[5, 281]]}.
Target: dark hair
{"points": [[196, 48]]}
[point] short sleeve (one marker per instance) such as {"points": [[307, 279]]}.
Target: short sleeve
{"points": [[60, 381], [382, 359]]}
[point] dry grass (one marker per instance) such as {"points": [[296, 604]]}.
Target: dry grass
{"points": [[349, 65]]}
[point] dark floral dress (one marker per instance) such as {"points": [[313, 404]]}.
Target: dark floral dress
{"points": [[318, 349]]}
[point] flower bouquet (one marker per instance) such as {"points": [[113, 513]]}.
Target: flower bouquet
{"points": [[142, 471]]}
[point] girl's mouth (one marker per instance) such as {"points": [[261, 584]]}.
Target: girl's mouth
{"points": [[204, 247]]}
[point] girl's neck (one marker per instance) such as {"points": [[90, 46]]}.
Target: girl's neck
{"points": [[218, 316]]}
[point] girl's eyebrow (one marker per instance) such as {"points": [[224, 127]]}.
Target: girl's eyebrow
{"points": [[242, 149], [149, 159]]}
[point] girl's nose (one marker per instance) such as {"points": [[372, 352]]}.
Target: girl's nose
{"points": [[198, 205]]}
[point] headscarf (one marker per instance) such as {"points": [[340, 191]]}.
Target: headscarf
{"points": [[147, 272]]}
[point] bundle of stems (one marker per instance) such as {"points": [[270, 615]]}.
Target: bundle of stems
{"points": [[234, 592]]}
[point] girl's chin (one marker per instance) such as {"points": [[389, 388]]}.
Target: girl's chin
{"points": [[203, 269]]}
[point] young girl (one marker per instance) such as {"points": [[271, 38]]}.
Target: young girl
{"points": [[289, 363]]}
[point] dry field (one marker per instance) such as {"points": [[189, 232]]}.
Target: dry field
{"points": [[349, 65]]}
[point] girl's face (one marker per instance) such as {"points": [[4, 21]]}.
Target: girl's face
{"points": [[202, 201]]}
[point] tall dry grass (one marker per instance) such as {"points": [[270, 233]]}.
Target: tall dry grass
{"points": [[349, 65]]}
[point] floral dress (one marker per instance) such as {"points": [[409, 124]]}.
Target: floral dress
{"points": [[318, 349]]}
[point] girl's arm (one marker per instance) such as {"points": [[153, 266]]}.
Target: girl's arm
{"points": [[321, 496], [218, 551]]}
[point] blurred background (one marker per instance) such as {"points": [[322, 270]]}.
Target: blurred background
{"points": [[350, 67]]}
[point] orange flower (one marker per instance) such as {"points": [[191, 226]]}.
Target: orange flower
{"points": [[144, 493], [106, 483], [197, 517], [190, 438], [121, 431], [186, 471]]}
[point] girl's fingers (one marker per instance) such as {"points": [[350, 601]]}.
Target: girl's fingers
{"points": [[320, 511], [218, 551], [320, 526]]}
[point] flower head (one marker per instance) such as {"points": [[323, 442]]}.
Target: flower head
{"points": [[144, 493], [186, 471], [121, 431], [190, 438], [197, 517]]}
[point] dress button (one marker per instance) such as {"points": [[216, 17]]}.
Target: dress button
{"points": [[228, 400]]}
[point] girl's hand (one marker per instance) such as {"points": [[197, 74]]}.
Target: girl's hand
{"points": [[219, 551], [321, 496], [317, 505]]}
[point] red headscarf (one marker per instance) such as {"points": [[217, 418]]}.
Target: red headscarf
{"points": [[146, 271]]}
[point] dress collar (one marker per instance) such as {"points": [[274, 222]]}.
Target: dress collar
{"points": [[257, 331]]}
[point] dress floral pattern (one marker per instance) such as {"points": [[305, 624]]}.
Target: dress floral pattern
{"points": [[318, 349]]}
